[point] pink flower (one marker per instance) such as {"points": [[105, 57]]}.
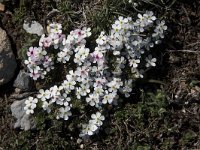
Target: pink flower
{"points": [[32, 52], [97, 56], [47, 42], [34, 75]]}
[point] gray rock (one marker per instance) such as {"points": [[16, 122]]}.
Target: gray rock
{"points": [[33, 28], [24, 121], [7, 60], [23, 81]]}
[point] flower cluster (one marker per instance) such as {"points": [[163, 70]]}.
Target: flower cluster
{"points": [[38, 63], [93, 126], [30, 105], [97, 77], [74, 43]]}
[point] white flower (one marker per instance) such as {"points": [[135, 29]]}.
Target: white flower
{"points": [[137, 73], [32, 52], [85, 89], [82, 73], [48, 63], [29, 62], [45, 106], [161, 26], [89, 129], [64, 55], [95, 122], [97, 56], [43, 94], [99, 82], [81, 54], [150, 61], [66, 101], [116, 27], [134, 62], [64, 112], [58, 99], [103, 41], [86, 32], [55, 91], [150, 17], [98, 90], [45, 41], [69, 84], [35, 75], [98, 118], [142, 21], [30, 105], [114, 85], [159, 30], [55, 28], [127, 87], [108, 98], [92, 99], [78, 92]]}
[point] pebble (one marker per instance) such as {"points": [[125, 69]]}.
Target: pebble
{"points": [[33, 27]]}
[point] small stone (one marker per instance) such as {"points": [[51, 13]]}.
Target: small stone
{"points": [[2, 7], [33, 28], [23, 81], [79, 141], [8, 63], [17, 90], [81, 146], [24, 121]]}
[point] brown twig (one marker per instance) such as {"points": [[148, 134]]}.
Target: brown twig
{"points": [[184, 50], [192, 44]]}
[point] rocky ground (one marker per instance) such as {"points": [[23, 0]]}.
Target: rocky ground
{"points": [[174, 84]]}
